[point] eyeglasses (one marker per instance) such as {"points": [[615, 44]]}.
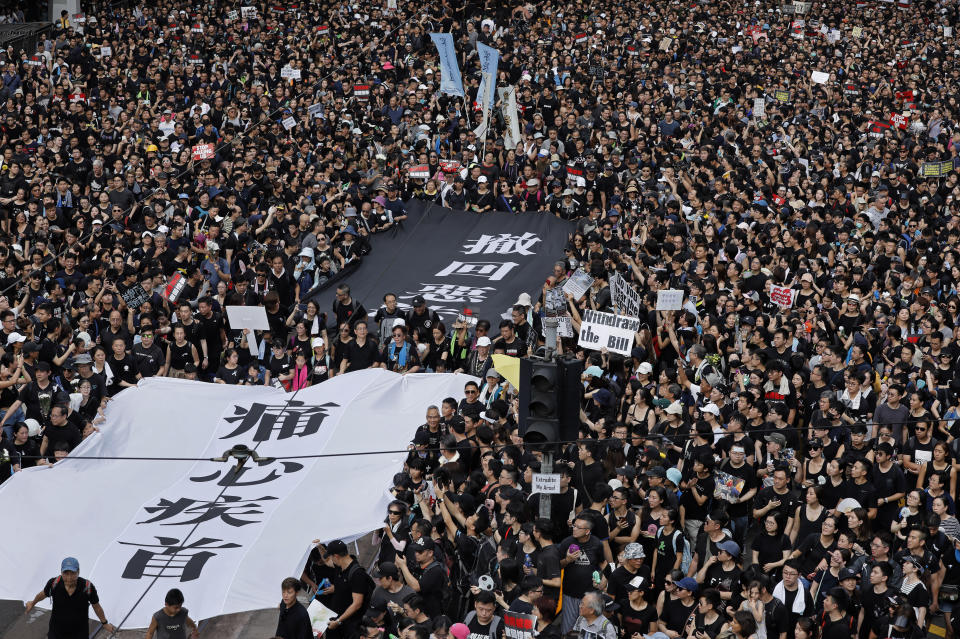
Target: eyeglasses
{"points": [[667, 583]]}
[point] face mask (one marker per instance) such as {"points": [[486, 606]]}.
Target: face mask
{"points": [[555, 165]]}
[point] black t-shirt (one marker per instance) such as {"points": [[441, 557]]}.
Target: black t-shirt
{"points": [[230, 376], [812, 552], [723, 580], [67, 433], [483, 631], [361, 357], [770, 548], [578, 575], [38, 401], [432, 584], [864, 493], [749, 476], [695, 511], [124, 370], [777, 619], [210, 330], [638, 621], [548, 567], [149, 360], [70, 612], [788, 502]]}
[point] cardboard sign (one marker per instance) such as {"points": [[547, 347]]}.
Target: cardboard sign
{"points": [[578, 284], [289, 73], [315, 110], [669, 299], [759, 108], [106, 52], [781, 95], [606, 330], [248, 12], [565, 326], [546, 483], [252, 317], [782, 296], [289, 122], [203, 152], [135, 296], [232, 14]]}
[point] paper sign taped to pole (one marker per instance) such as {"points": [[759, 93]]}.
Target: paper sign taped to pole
{"points": [[546, 483], [669, 299]]}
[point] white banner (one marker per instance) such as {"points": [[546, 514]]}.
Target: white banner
{"points": [[606, 330], [626, 299], [508, 106], [225, 538]]}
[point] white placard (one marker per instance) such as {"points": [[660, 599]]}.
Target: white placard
{"points": [[315, 110], [252, 317], [289, 122], [290, 73], [606, 330], [819, 77], [320, 617], [578, 284], [106, 52], [669, 299], [782, 296], [232, 14], [759, 108], [546, 483], [248, 12], [564, 326], [947, 32]]}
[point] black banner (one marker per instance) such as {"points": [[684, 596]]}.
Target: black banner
{"points": [[456, 260]]}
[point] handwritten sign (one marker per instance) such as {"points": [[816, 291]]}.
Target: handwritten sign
{"points": [[669, 299], [606, 330], [289, 122], [782, 296], [578, 284], [203, 152], [290, 73]]}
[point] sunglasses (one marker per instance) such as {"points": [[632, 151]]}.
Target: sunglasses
{"points": [[470, 392], [395, 512]]}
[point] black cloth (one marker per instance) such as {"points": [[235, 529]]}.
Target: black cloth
{"points": [[294, 622]]}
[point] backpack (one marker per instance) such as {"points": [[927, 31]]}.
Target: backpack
{"points": [[493, 624], [369, 586], [687, 554]]}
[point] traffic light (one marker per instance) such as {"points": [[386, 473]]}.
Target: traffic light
{"points": [[550, 394]]}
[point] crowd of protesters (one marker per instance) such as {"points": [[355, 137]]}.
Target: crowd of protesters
{"points": [[754, 470]]}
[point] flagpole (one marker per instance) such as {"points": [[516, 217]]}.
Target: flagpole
{"points": [[466, 110]]}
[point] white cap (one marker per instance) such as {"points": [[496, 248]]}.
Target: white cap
{"points": [[645, 368], [482, 179], [85, 336], [316, 342], [398, 322], [16, 338], [674, 409], [711, 408], [483, 341], [524, 300], [306, 251]]}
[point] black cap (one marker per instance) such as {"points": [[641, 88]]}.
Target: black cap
{"points": [[425, 543], [418, 300], [337, 547], [388, 569], [847, 573], [43, 366]]}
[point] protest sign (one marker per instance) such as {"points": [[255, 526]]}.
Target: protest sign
{"points": [[252, 317], [759, 108], [106, 52], [782, 296], [315, 110], [625, 298], [819, 77], [232, 14], [421, 171], [564, 326], [578, 284], [669, 299], [606, 330], [727, 487], [517, 625], [289, 122], [135, 296], [361, 92], [781, 95], [248, 12], [174, 287], [289, 73], [203, 152]]}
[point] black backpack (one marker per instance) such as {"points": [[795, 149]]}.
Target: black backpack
{"points": [[369, 586]]}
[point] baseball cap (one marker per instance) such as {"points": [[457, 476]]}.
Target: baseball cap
{"points": [[483, 341], [674, 409], [711, 408], [674, 475], [627, 471], [776, 438], [15, 338], [848, 573], [317, 342], [687, 583], [645, 368], [602, 397], [657, 471], [337, 547], [633, 551], [730, 547], [460, 631], [594, 371], [425, 543], [418, 300], [71, 564]]}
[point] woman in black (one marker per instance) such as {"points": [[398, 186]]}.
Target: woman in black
{"points": [[708, 619], [279, 367], [638, 616], [230, 372], [180, 352], [300, 340], [809, 515], [815, 467], [321, 363], [22, 450], [771, 548], [677, 611], [436, 360]]}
